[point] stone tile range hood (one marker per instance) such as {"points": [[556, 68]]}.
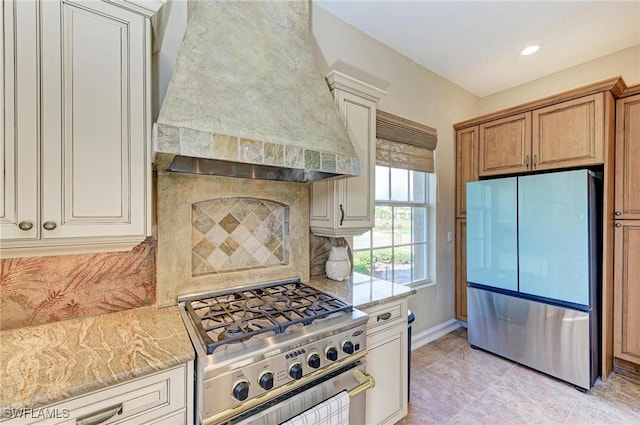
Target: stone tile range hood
{"points": [[246, 98]]}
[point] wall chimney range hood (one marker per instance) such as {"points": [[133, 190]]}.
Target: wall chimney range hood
{"points": [[246, 98]]}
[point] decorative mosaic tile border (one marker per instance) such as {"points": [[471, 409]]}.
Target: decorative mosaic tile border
{"points": [[232, 234], [202, 144]]}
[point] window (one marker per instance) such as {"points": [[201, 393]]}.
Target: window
{"points": [[397, 248]]}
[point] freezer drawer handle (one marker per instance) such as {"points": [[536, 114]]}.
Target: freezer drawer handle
{"points": [[100, 416]]}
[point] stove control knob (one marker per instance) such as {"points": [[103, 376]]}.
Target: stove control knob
{"points": [[314, 360], [347, 347], [331, 353], [295, 371], [241, 390], [266, 380]]}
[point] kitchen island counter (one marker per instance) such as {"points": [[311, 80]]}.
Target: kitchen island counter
{"points": [[45, 364], [362, 294]]}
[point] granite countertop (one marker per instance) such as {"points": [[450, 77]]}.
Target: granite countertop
{"points": [[362, 294], [46, 364]]}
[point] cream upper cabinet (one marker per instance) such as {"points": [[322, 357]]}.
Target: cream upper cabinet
{"points": [[79, 163], [345, 207]]}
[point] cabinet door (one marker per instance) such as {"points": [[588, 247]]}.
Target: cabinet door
{"points": [[19, 94], [627, 290], [505, 145], [627, 169], [346, 207], [461, 269], [387, 363], [95, 157], [466, 166], [569, 134]]}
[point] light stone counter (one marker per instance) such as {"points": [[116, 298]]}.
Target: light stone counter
{"points": [[49, 363], [362, 294]]}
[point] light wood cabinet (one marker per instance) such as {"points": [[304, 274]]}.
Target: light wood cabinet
{"points": [[569, 134], [505, 145], [562, 135], [627, 291], [461, 269], [466, 166], [346, 207], [77, 173], [626, 335], [627, 170], [387, 362], [161, 398]]}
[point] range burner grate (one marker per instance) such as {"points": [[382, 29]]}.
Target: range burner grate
{"points": [[237, 315]]}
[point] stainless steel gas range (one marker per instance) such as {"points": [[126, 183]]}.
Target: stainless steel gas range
{"points": [[268, 352]]}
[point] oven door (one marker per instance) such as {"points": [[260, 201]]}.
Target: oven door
{"points": [[351, 378]]}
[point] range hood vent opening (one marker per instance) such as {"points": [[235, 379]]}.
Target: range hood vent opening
{"points": [[246, 98]]}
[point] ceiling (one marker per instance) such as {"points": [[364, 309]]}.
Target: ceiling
{"points": [[476, 44]]}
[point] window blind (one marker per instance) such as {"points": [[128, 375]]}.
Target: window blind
{"points": [[401, 143]]}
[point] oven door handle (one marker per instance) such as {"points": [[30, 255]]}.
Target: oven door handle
{"points": [[366, 383]]}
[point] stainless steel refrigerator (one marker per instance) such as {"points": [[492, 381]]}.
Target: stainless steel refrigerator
{"points": [[533, 271]]}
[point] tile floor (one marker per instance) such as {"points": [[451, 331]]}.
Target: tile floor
{"points": [[451, 383]]}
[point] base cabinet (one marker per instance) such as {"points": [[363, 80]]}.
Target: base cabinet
{"points": [[162, 398], [387, 362]]}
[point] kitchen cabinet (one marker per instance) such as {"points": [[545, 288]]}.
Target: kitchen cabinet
{"points": [[626, 269], [345, 207], [161, 398], [627, 169], [466, 171], [561, 135], [77, 165], [461, 269], [505, 145], [466, 165], [627, 293], [387, 362]]}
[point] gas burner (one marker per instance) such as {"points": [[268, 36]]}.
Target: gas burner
{"points": [[223, 318], [234, 330]]}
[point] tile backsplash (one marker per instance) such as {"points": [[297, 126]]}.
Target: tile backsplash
{"points": [[37, 290], [232, 234]]}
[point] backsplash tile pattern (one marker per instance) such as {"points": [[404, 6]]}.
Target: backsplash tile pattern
{"points": [[37, 290], [232, 234]]}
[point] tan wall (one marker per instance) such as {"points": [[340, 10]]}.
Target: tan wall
{"points": [[625, 63]]}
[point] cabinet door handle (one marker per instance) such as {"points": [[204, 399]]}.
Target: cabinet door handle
{"points": [[49, 225], [618, 225], [341, 214], [25, 225], [617, 213], [100, 416], [535, 161], [526, 161], [384, 316]]}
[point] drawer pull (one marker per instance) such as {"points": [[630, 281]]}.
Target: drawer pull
{"points": [[100, 416], [385, 316], [25, 225]]}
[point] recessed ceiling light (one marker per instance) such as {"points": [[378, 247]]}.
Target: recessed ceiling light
{"points": [[529, 50]]}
